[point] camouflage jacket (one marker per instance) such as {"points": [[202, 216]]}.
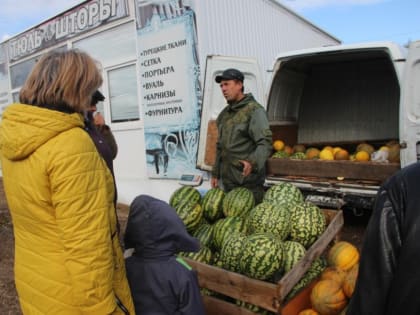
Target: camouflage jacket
{"points": [[243, 134]]}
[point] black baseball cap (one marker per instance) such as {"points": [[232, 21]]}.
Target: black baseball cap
{"points": [[230, 74]]}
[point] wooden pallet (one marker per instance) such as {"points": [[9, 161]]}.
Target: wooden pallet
{"points": [[270, 296]]}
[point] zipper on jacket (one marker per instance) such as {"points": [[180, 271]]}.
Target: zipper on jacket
{"points": [[121, 306]]}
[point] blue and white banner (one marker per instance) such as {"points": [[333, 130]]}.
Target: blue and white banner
{"points": [[170, 89]]}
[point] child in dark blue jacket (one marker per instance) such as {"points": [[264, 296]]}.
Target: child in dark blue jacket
{"points": [[161, 283]]}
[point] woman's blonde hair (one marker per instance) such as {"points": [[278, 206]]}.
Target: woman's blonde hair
{"points": [[65, 79]]}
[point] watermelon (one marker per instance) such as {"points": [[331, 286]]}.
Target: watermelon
{"points": [[190, 213], [213, 204], [204, 255], [253, 308], [261, 257], [293, 252], [307, 223], [204, 233], [231, 251], [224, 227], [184, 193], [269, 218], [280, 155], [298, 156], [238, 202], [284, 194]]}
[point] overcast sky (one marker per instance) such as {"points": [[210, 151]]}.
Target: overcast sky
{"points": [[349, 20]]}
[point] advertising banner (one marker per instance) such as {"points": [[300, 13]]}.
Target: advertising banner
{"points": [[170, 89]]}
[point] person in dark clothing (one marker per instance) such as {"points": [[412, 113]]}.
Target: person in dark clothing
{"points": [[161, 283], [101, 133], [103, 139], [389, 274], [244, 138]]}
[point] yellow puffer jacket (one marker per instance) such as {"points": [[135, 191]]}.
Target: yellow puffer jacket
{"points": [[60, 193]]}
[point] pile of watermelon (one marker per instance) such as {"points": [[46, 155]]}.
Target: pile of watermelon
{"points": [[262, 241]]}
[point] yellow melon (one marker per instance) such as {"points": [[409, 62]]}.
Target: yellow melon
{"points": [[327, 297], [278, 145], [343, 255], [312, 153], [326, 154], [362, 156], [341, 154]]}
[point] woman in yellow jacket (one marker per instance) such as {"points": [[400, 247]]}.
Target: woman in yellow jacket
{"points": [[60, 194]]}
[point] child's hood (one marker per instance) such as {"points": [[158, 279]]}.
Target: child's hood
{"points": [[155, 230]]}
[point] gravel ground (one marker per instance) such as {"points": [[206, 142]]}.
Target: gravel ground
{"points": [[353, 230]]}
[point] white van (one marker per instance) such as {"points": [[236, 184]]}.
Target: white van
{"points": [[342, 96]]}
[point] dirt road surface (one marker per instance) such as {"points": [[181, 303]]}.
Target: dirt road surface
{"points": [[352, 231]]}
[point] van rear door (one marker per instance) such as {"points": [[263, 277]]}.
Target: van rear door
{"points": [[214, 102], [410, 107]]}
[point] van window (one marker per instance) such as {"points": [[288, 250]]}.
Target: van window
{"points": [[123, 94]]}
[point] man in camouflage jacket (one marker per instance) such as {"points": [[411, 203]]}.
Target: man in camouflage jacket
{"points": [[244, 138]]}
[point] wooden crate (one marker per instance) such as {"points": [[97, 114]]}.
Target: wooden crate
{"points": [[270, 296], [354, 170]]}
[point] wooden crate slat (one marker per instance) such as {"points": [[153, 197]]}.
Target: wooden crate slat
{"points": [[237, 286], [220, 307], [374, 171]]}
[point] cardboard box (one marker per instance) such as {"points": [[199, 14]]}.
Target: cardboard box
{"points": [[270, 296]]}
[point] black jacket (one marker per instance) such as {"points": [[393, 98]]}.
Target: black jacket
{"points": [[389, 274], [160, 283]]}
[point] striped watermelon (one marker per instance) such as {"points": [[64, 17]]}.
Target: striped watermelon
{"points": [[293, 252], [253, 308], [261, 257], [284, 194], [213, 204], [269, 218], [204, 233], [224, 227], [190, 213], [238, 202], [204, 255], [307, 223], [231, 251], [184, 193]]}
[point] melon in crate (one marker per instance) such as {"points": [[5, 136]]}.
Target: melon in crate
{"points": [[190, 213], [238, 202], [293, 252], [262, 256], [269, 218], [284, 194], [231, 251], [307, 223], [224, 227], [204, 233], [204, 255], [213, 204], [184, 193]]}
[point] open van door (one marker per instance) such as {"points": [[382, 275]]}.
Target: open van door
{"points": [[410, 106], [214, 102]]}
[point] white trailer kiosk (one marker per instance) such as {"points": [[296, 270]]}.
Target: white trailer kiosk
{"points": [[153, 56]]}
